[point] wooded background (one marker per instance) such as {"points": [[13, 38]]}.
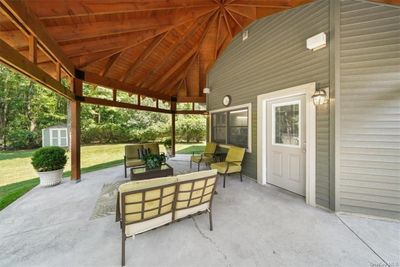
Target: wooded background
{"points": [[27, 107]]}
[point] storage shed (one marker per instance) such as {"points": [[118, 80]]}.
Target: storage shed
{"points": [[57, 135]]}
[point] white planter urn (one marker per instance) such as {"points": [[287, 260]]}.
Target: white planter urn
{"points": [[50, 178]]}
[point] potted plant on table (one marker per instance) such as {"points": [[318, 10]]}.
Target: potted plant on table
{"points": [[154, 161], [49, 163]]}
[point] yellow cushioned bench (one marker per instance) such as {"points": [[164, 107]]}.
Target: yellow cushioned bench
{"points": [[147, 204]]}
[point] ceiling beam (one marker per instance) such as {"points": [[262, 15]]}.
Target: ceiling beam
{"points": [[14, 59], [26, 20], [112, 103], [115, 84], [111, 61], [145, 54]]}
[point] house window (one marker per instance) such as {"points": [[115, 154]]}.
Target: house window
{"points": [[58, 137], [232, 126]]}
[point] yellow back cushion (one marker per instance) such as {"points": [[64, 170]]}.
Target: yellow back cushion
{"points": [[235, 154], [210, 148], [157, 201], [131, 151], [153, 147], [193, 192]]}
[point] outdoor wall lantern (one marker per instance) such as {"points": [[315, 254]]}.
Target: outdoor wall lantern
{"points": [[206, 90], [320, 96]]}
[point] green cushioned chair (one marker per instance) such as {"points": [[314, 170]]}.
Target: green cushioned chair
{"points": [[232, 163], [206, 157], [132, 157]]}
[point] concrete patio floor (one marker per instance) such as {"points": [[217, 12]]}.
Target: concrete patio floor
{"points": [[253, 226]]}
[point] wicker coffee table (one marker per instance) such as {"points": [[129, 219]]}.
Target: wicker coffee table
{"points": [[141, 173]]}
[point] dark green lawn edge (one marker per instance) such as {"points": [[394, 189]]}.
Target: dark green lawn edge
{"points": [[10, 193]]}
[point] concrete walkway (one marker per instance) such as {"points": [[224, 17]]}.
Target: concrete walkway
{"points": [[253, 226]]}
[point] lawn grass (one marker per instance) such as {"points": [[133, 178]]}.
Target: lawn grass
{"points": [[16, 166], [10, 193], [18, 176]]}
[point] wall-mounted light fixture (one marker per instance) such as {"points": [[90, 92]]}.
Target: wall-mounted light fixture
{"points": [[317, 41], [321, 96], [206, 90]]}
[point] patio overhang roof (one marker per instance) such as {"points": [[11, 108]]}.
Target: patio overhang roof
{"points": [[157, 48]]}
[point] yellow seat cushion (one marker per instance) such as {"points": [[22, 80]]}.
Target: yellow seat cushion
{"points": [[222, 166], [134, 162], [206, 159]]}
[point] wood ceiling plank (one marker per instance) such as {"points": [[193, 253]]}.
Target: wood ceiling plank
{"points": [[119, 43], [176, 66], [146, 53], [73, 8], [263, 3], [112, 27], [248, 12], [188, 34]]}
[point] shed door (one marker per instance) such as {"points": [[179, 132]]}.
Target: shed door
{"points": [[286, 157]]}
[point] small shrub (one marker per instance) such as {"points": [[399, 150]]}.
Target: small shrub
{"points": [[167, 143], [49, 159]]}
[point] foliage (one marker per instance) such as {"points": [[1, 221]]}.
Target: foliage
{"points": [[190, 128], [154, 161], [26, 108], [49, 159], [167, 143]]}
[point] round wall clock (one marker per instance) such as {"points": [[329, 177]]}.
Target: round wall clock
{"points": [[226, 100]]}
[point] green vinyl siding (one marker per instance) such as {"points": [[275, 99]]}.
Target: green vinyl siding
{"points": [[275, 57]]}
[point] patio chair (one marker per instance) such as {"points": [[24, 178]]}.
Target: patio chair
{"points": [[232, 163], [132, 157], [207, 156], [147, 204]]}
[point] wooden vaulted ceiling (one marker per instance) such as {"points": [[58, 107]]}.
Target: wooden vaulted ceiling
{"points": [[157, 46]]}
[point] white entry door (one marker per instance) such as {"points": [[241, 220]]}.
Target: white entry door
{"points": [[286, 155]]}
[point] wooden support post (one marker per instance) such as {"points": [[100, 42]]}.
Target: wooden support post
{"points": [[114, 94], [173, 136], [75, 107]]}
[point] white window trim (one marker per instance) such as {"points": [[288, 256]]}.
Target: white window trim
{"points": [[310, 138], [244, 106], [59, 136]]}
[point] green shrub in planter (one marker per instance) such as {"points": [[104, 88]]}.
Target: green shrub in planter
{"points": [[49, 159], [154, 161]]}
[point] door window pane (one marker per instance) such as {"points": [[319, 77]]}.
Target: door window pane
{"points": [[287, 124]]}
